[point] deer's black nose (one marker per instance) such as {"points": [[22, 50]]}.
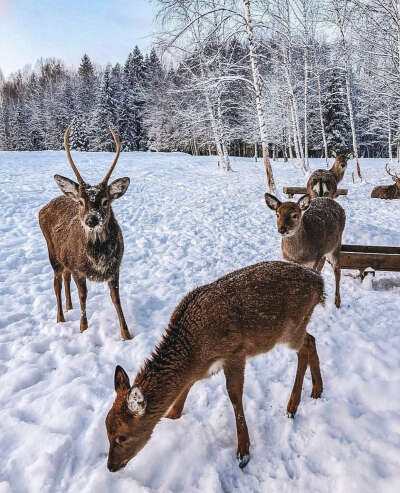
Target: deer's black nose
{"points": [[282, 230], [92, 221]]}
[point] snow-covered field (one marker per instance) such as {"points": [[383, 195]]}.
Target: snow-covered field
{"points": [[185, 223]]}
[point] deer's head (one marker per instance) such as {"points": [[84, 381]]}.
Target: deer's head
{"points": [[288, 214], [394, 177], [128, 425], [340, 163], [94, 200]]}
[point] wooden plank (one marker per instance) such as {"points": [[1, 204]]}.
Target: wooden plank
{"points": [[303, 190], [370, 249], [378, 261]]}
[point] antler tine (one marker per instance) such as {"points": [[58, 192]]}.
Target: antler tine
{"points": [[66, 146], [394, 177], [117, 151]]}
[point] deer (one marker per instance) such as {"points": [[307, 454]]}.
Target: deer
{"points": [[311, 231], [387, 191], [83, 236], [323, 182], [217, 327]]}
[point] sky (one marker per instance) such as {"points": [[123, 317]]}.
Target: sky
{"points": [[104, 29]]}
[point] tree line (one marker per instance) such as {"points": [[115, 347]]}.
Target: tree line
{"points": [[284, 78]]}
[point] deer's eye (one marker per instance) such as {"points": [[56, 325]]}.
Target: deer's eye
{"points": [[294, 216], [120, 439], [277, 214], [82, 202], [104, 202]]}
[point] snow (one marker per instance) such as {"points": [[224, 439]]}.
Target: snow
{"points": [[186, 223]]}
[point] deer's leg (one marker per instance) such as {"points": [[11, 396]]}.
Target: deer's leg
{"points": [[313, 361], [334, 259], [175, 411], [302, 363], [57, 290], [114, 292], [82, 291], [234, 374], [67, 287]]}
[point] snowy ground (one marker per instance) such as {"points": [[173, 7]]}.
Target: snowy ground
{"points": [[185, 223]]}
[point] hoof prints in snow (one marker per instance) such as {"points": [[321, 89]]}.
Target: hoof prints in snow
{"points": [[185, 223]]}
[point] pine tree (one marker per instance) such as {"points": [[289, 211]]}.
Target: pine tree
{"points": [[105, 115], [338, 131]]}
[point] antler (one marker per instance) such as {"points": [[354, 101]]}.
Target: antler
{"points": [[117, 151], [395, 178], [66, 146]]}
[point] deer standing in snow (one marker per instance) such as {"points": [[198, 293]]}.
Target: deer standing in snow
{"points": [[311, 231], [218, 326], [387, 191], [83, 237], [323, 182]]}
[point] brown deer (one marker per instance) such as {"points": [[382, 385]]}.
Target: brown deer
{"points": [[323, 182], [83, 237], [218, 326], [387, 191], [311, 231]]}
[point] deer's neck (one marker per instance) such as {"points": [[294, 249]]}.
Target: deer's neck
{"points": [[292, 246], [168, 372]]}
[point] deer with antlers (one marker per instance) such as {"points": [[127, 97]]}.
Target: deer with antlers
{"points": [[388, 191], [84, 238]]}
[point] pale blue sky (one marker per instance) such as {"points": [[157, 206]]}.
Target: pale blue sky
{"points": [[105, 29]]}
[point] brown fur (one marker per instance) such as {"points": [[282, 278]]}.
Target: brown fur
{"points": [[311, 230], [323, 182], [84, 239], [242, 314], [387, 191]]}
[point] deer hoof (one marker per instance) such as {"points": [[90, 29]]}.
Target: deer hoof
{"points": [[316, 393], [337, 301], [83, 326], [243, 460], [126, 336], [60, 318], [290, 414]]}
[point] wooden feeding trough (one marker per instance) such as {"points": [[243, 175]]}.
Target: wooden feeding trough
{"points": [[360, 257], [291, 191]]}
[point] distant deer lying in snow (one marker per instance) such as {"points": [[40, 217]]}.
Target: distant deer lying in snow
{"points": [[83, 237], [323, 182], [218, 326], [387, 191], [311, 231]]}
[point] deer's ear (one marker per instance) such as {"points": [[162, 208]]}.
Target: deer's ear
{"points": [[121, 379], [118, 187], [271, 201], [67, 186], [136, 401], [350, 155], [304, 202], [333, 153]]}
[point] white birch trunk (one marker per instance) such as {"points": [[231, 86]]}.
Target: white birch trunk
{"points": [[257, 89], [321, 116]]}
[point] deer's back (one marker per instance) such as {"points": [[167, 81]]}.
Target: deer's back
{"points": [[250, 310], [385, 192]]}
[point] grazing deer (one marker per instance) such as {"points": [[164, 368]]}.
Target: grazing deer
{"points": [[311, 231], [83, 237], [387, 191], [323, 182], [218, 326]]}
